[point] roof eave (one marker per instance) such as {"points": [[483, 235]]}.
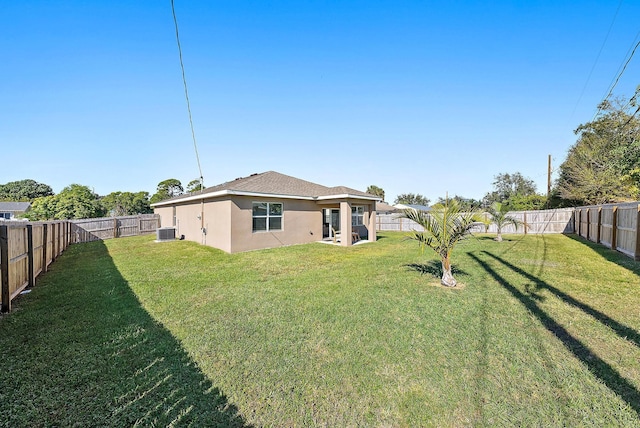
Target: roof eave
{"points": [[348, 196], [212, 195]]}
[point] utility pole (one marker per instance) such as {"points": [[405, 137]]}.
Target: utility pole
{"points": [[549, 181]]}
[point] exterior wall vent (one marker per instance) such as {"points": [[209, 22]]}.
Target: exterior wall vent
{"points": [[166, 234]]}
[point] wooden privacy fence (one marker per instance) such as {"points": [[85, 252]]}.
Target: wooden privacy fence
{"points": [[543, 221], [97, 229], [26, 251], [615, 226]]}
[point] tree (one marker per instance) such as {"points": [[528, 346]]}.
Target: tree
{"points": [[507, 186], [375, 190], [602, 165], [498, 216], [411, 199], [194, 185], [167, 189], [140, 204], [43, 208], [444, 226], [75, 201], [465, 203], [24, 190], [126, 203], [526, 202]]}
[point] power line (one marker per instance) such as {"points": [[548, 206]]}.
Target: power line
{"points": [[632, 99], [630, 118], [617, 78], [597, 59], [186, 95]]}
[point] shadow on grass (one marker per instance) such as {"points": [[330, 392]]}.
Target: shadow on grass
{"points": [[433, 268], [608, 254], [596, 365], [80, 349], [485, 237], [620, 329]]}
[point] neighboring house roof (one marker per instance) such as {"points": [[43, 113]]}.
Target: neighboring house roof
{"points": [[412, 207], [383, 207], [272, 184], [14, 206]]}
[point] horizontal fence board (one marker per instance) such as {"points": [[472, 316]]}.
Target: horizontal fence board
{"points": [[87, 230]]}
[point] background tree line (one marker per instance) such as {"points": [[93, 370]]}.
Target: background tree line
{"points": [[78, 201]]}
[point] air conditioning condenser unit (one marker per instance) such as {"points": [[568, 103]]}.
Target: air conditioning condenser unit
{"points": [[166, 234]]}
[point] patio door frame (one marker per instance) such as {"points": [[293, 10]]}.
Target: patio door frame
{"points": [[334, 220]]}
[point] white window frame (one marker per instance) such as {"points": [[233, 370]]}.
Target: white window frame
{"points": [[268, 216], [355, 215]]}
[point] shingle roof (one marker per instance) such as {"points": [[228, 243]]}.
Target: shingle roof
{"points": [[14, 206], [274, 183], [385, 207]]}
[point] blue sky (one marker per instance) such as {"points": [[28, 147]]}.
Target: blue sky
{"points": [[425, 97]]}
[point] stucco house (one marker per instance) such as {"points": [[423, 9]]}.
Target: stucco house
{"points": [[269, 210], [9, 210]]}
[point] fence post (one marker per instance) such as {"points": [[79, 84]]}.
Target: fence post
{"points": [[4, 265], [524, 218], [599, 224], [614, 227], [53, 241], [44, 246], [637, 251], [32, 279], [115, 227], [588, 223]]}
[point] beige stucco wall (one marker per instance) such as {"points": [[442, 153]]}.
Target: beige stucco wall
{"points": [[228, 222], [193, 217], [165, 215], [301, 223], [217, 223]]}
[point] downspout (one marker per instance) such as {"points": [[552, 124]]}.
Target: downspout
{"points": [[202, 228]]}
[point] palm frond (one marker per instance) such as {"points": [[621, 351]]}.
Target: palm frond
{"points": [[444, 225], [498, 213]]}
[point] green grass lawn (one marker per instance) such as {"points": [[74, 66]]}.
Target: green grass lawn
{"points": [[544, 331]]}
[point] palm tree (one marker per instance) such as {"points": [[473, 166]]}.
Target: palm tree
{"points": [[486, 221], [444, 226], [498, 213]]}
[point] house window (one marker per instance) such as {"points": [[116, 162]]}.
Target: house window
{"points": [[175, 218], [357, 216], [6, 216], [267, 216]]}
